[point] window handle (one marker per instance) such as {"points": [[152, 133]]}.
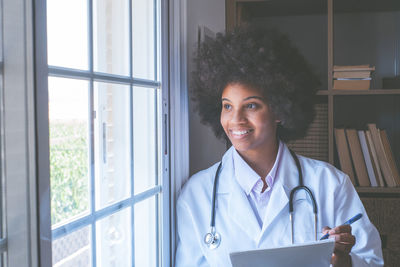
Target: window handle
{"points": [[165, 135], [104, 143]]}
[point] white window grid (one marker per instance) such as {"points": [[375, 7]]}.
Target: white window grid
{"points": [[92, 76], [3, 239]]}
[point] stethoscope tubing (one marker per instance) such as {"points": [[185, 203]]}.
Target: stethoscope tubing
{"points": [[213, 238]]}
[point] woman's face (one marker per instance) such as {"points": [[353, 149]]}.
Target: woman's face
{"points": [[247, 119]]}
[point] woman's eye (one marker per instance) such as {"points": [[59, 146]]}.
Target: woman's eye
{"points": [[251, 106], [227, 106]]}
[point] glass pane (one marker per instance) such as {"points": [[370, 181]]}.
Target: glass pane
{"points": [[69, 148], [73, 250], [143, 38], [2, 188], [369, 34], [114, 240], [146, 246], [111, 36], [112, 143], [3, 259], [145, 137], [67, 33]]}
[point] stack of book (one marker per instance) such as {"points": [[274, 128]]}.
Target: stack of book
{"points": [[356, 77], [366, 156]]}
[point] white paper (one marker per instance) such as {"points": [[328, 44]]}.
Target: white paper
{"points": [[317, 253]]}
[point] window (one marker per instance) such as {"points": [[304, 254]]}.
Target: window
{"points": [[3, 245], [106, 132]]}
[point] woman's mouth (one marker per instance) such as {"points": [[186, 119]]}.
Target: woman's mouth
{"points": [[240, 133]]}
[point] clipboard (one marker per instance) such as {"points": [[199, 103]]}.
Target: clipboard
{"points": [[312, 254]]}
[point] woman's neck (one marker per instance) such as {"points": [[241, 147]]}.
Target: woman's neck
{"points": [[261, 160]]}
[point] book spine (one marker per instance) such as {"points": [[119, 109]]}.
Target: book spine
{"points": [[367, 158], [383, 162], [344, 154], [377, 168], [390, 157], [357, 156]]}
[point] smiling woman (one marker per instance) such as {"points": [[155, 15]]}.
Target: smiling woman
{"points": [[248, 122], [260, 58], [255, 89]]}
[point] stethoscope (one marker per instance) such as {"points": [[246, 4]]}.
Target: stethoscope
{"points": [[213, 239]]}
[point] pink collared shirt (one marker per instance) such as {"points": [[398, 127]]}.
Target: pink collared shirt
{"points": [[252, 184]]}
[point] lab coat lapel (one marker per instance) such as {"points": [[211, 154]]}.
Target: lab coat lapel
{"points": [[239, 208], [286, 179]]}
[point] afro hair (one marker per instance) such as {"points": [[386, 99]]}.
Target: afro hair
{"points": [[264, 59]]}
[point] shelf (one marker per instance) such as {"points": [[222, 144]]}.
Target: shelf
{"points": [[378, 191], [367, 92], [360, 92]]}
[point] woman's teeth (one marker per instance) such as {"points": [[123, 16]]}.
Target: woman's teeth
{"points": [[240, 132]]}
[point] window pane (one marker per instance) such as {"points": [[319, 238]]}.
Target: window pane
{"points": [[114, 240], [112, 143], [143, 38], [69, 148], [2, 188], [145, 136], [73, 250], [67, 33], [111, 36], [3, 259], [146, 248]]}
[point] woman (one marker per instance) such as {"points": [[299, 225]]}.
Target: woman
{"points": [[255, 89]]}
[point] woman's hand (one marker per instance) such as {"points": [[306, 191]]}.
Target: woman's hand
{"points": [[344, 242]]}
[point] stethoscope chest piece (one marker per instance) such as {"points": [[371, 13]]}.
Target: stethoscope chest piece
{"points": [[212, 239]]}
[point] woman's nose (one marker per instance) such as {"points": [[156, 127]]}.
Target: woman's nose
{"points": [[238, 116]]}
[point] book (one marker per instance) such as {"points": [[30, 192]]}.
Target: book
{"points": [[383, 162], [351, 84], [365, 67], [352, 74], [367, 158], [390, 157], [377, 168], [344, 154], [358, 158]]}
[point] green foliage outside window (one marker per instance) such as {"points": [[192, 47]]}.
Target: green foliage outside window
{"points": [[68, 170]]}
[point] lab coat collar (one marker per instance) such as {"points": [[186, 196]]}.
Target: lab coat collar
{"points": [[239, 208], [286, 180]]}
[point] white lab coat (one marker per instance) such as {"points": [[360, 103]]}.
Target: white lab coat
{"points": [[236, 222]]}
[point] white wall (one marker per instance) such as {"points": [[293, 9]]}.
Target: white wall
{"points": [[205, 148]]}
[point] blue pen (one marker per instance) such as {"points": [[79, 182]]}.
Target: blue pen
{"points": [[355, 218]]}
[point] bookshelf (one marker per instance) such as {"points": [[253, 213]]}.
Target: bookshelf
{"points": [[344, 32]]}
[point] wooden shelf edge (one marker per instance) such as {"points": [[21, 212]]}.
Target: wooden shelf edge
{"points": [[379, 192], [367, 92], [384, 190], [337, 92]]}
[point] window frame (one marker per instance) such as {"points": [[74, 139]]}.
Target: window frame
{"points": [[27, 207], [43, 72]]}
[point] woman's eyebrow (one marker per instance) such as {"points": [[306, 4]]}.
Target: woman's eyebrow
{"points": [[256, 97], [247, 98]]}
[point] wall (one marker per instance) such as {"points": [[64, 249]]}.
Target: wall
{"points": [[205, 148]]}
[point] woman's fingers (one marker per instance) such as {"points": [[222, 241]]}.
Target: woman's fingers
{"points": [[344, 243], [344, 240], [326, 229], [340, 229]]}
